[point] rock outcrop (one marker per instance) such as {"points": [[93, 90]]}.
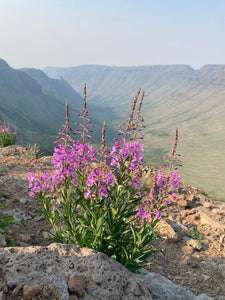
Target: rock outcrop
{"points": [[69, 272]]}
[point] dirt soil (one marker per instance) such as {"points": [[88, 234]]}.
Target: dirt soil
{"points": [[194, 250]]}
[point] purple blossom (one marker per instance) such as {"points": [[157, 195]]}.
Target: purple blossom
{"points": [[143, 214]]}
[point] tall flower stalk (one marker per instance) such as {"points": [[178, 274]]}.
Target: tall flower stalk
{"points": [[101, 200], [7, 138]]}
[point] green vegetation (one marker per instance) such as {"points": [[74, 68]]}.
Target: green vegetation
{"points": [[6, 137], [197, 236], [5, 221]]}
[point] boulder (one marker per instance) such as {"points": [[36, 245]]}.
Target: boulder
{"points": [[66, 272]]}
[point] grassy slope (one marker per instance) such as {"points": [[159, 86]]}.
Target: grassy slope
{"points": [[179, 96]]}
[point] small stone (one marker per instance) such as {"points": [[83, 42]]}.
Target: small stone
{"points": [[23, 200], [218, 211], [61, 288], [190, 260], [206, 219], [76, 285], [71, 267], [195, 244], [222, 239], [187, 250], [206, 277], [18, 290], [183, 213], [29, 292], [12, 284], [192, 197], [207, 204], [25, 237], [182, 203], [45, 235], [166, 229]]}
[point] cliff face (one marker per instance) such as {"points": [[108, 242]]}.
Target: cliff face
{"points": [[193, 257]]}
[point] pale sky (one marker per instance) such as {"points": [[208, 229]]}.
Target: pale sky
{"points": [[39, 33]]}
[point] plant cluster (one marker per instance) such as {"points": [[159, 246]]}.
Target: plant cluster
{"points": [[6, 137], [5, 221], [102, 205], [197, 236]]}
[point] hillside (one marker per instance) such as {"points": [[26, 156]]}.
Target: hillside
{"points": [[176, 95], [36, 104]]}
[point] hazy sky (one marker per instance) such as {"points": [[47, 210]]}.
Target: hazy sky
{"points": [[39, 33]]}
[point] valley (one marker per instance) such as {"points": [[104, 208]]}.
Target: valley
{"points": [[176, 95]]}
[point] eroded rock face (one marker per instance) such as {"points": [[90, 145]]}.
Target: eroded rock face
{"points": [[70, 272], [46, 273]]}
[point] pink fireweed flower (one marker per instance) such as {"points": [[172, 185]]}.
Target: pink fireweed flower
{"points": [[40, 182], [102, 181], [6, 130], [158, 214], [87, 194], [143, 214], [67, 160]]}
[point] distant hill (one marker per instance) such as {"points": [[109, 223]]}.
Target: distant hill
{"points": [[36, 104], [175, 95]]}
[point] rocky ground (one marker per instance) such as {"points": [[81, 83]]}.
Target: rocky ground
{"points": [[194, 250]]}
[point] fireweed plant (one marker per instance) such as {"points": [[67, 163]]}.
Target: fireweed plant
{"points": [[101, 202], [6, 137]]}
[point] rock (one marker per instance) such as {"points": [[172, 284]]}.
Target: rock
{"points": [[218, 211], [30, 292], [18, 291], [222, 239], [206, 219], [12, 284], [183, 214], [167, 230], [207, 204], [190, 260], [162, 288], [25, 237], [76, 285], [195, 244], [182, 203], [187, 250], [48, 267], [24, 200], [179, 227], [192, 197], [19, 215], [60, 287], [11, 150]]}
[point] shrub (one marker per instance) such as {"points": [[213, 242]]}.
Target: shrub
{"points": [[5, 221], [101, 201], [6, 137]]}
